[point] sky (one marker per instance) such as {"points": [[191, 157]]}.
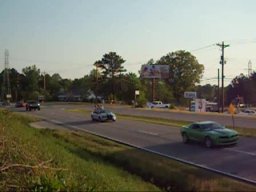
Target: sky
{"points": [[68, 36]]}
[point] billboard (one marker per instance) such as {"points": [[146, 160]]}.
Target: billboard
{"points": [[189, 95], [154, 71]]}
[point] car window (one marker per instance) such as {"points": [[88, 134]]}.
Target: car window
{"points": [[195, 126], [211, 126]]}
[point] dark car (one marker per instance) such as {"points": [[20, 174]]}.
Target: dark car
{"points": [[20, 104], [35, 105]]}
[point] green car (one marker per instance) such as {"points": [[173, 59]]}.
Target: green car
{"points": [[210, 133]]}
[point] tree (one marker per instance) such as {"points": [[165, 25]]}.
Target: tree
{"points": [[110, 67], [127, 84], [95, 82], [14, 78], [208, 92], [53, 85], [185, 72], [32, 76], [242, 87], [81, 86]]}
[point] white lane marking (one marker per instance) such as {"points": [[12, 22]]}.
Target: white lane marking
{"points": [[75, 127], [243, 152], [55, 121], [148, 132]]}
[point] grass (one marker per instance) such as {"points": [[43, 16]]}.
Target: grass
{"points": [[64, 160], [168, 174], [40, 160]]}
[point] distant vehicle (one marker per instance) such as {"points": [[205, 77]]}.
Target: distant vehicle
{"points": [[210, 133], [20, 104], [211, 106], [158, 104], [249, 111], [6, 103], [102, 115], [35, 105]]}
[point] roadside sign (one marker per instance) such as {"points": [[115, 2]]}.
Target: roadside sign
{"points": [[231, 109], [190, 95], [137, 92]]}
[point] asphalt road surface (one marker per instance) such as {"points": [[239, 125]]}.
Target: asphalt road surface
{"points": [[237, 161]]}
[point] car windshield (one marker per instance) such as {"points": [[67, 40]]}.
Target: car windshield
{"points": [[102, 111], [32, 102], [211, 126]]}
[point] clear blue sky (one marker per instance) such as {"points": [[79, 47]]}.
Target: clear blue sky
{"points": [[68, 36]]}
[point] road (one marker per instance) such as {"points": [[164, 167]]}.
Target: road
{"points": [[236, 161]]}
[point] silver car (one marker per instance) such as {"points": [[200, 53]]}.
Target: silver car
{"points": [[102, 115]]}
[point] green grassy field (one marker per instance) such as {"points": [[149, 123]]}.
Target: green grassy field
{"points": [[63, 160]]}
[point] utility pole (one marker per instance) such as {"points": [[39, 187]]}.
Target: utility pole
{"points": [[153, 89], [222, 62], [218, 90]]}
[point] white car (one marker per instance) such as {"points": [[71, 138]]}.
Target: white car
{"points": [[158, 104], [102, 115], [248, 112]]}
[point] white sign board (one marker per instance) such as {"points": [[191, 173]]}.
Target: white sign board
{"points": [[137, 92], [190, 95]]}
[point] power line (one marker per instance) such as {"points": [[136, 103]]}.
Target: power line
{"points": [[205, 47]]}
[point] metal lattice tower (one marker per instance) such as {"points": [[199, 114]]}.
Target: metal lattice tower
{"points": [[6, 88], [249, 68]]}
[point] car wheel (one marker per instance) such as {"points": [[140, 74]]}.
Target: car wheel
{"points": [[208, 142], [185, 138]]}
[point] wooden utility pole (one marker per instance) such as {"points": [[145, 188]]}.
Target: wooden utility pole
{"points": [[153, 89], [222, 62], [218, 90]]}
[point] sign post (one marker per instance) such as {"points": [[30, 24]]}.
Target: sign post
{"points": [[232, 110], [190, 95], [137, 92]]}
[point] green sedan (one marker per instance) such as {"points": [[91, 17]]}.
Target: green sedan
{"points": [[210, 133]]}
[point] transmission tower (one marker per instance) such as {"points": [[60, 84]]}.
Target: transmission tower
{"points": [[249, 68], [6, 88]]}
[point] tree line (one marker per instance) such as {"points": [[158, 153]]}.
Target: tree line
{"points": [[110, 80]]}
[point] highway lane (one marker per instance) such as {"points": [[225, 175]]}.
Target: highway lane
{"points": [[238, 161], [246, 121]]}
